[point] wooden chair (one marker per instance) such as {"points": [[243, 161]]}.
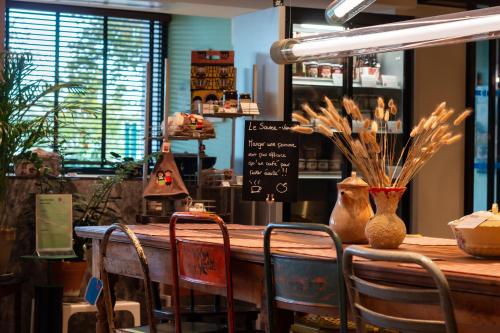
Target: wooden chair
{"points": [[315, 284], [359, 289], [192, 327]]}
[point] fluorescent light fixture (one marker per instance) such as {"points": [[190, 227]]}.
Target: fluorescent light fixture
{"points": [[341, 11], [498, 79], [454, 28], [318, 27]]}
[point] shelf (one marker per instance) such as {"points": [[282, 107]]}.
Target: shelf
{"points": [[312, 81], [233, 186], [320, 175], [358, 86], [187, 138], [322, 82], [228, 115], [358, 125]]}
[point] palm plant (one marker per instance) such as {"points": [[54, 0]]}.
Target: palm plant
{"points": [[20, 129]]}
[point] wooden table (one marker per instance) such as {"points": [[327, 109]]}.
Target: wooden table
{"points": [[475, 283]]}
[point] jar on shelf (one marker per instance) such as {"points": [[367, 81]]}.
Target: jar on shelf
{"points": [[337, 69], [325, 70], [302, 164], [311, 69], [245, 98], [230, 99], [312, 164], [323, 165]]}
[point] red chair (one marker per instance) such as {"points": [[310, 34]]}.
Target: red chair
{"points": [[201, 263], [153, 328]]}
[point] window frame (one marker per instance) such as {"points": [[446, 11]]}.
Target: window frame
{"points": [[162, 18]]}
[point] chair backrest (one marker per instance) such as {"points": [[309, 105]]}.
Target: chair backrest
{"points": [[202, 263], [145, 274], [359, 288], [292, 282]]}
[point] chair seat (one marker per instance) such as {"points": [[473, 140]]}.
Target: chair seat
{"points": [[170, 328]]}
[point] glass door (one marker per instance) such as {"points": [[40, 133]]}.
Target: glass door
{"points": [[321, 165], [483, 182]]}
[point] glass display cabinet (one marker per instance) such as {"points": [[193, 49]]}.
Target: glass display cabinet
{"points": [[363, 78]]}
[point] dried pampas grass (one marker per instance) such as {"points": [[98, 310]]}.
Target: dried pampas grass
{"points": [[373, 150]]}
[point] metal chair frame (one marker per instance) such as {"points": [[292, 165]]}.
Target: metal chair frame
{"points": [[174, 241], [145, 274], [357, 286], [270, 272]]}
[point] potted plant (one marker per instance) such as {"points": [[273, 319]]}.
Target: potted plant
{"points": [[91, 210], [21, 130]]}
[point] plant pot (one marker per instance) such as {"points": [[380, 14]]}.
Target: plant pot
{"points": [[386, 230], [7, 239], [69, 274]]}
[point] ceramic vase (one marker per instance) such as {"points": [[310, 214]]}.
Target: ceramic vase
{"points": [[386, 230], [352, 210]]}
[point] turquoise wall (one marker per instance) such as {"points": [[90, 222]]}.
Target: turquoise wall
{"points": [[188, 33]]}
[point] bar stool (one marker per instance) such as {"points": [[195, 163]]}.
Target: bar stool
{"points": [[359, 290], [191, 327], [314, 283]]}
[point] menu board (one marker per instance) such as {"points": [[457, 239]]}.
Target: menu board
{"points": [[54, 224], [270, 164]]}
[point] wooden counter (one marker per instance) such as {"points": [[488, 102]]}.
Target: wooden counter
{"points": [[475, 283]]}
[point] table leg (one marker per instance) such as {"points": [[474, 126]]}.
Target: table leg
{"points": [[102, 318]]}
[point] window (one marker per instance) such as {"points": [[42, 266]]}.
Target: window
{"points": [[108, 56]]}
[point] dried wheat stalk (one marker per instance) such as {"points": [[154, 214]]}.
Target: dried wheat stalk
{"points": [[373, 150]]}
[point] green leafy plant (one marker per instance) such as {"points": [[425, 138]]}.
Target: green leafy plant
{"points": [[21, 130], [96, 210]]}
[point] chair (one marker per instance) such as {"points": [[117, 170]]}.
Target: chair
{"points": [[315, 284], [202, 263], [192, 327], [359, 290], [245, 313]]}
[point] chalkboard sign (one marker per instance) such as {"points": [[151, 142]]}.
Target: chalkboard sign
{"points": [[270, 169]]}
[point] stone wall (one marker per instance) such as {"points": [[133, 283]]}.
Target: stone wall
{"points": [[127, 204]]}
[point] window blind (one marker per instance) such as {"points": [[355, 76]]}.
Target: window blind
{"points": [[108, 57]]}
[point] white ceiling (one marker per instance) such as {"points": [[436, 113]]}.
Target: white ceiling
{"points": [[216, 8]]}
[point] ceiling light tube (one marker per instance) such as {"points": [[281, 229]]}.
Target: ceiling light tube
{"points": [[460, 27], [341, 11]]}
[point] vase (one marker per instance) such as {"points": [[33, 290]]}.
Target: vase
{"points": [[386, 230], [69, 274], [352, 210]]}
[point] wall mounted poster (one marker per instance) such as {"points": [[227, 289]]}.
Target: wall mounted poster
{"points": [[54, 224], [270, 165]]}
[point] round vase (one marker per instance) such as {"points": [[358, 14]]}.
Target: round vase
{"points": [[386, 230]]}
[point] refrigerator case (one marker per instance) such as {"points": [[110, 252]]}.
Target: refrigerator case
{"points": [[363, 78]]}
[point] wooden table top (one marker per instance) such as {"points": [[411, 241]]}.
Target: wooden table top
{"points": [[464, 273]]}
